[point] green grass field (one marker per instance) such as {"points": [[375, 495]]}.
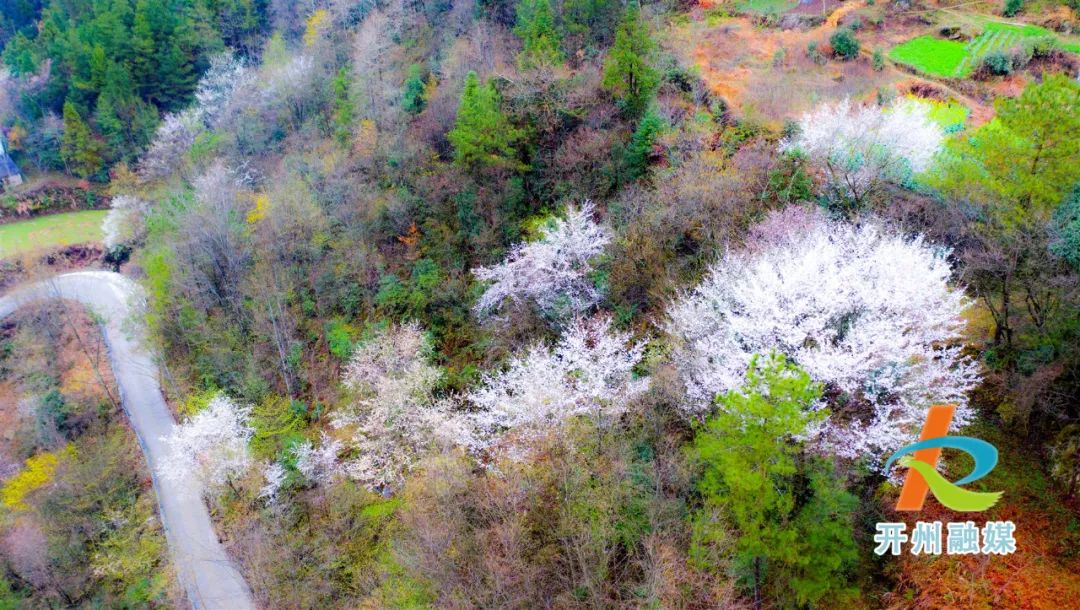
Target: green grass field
{"points": [[930, 55], [766, 7], [54, 231], [952, 59]]}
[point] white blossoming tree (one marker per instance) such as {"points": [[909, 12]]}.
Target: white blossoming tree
{"points": [[865, 311], [123, 225], [173, 139], [212, 445], [395, 416], [589, 372], [177, 132], [551, 272], [274, 475], [318, 464], [861, 147], [226, 74]]}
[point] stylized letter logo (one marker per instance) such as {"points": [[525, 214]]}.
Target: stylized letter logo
{"points": [[922, 475]]}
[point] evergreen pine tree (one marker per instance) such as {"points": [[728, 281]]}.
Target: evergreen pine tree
{"points": [[144, 51], [124, 120], [588, 23], [79, 149], [536, 29], [412, 99], [482, 135], [628, 73], [636, 157], [176, 73], [791, 516]]}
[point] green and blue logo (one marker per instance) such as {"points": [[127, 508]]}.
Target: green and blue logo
{"points": [[921, 461]]}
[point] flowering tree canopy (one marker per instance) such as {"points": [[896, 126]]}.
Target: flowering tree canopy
{"points": [[861, 146], [395, 416], [274, 475], [318, 464], [226, 74], [212, 445], [177, 132], [589, 372], [552, 271], [123, 225], [867, 312]]}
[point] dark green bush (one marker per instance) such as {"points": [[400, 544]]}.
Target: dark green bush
{"points": [[844, 44], [997, 62]]}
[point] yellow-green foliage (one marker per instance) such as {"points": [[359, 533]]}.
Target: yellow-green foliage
{"points": [[197, 402], [277, 423], [133, 551], [37, 473], [315, 24]]}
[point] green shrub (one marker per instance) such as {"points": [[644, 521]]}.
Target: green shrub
{"points": [[997, 62], [339, 338], [879, 60], [814, 54], [1012, 7], [844, 44], [413, 97]]}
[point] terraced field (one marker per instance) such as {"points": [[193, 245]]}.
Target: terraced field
{"points": [[996, 37], [951, 59]]}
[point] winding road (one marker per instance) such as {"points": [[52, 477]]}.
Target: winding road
{"points": [[211, 580]]}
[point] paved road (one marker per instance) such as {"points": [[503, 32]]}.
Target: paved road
{"points": [[209, 577]]}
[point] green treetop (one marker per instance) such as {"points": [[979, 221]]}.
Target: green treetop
{"points": [[79, 149], [790, 516], [412, 98], [628, 73], [1022, 164], [536, 28], [482, 135], [344, 108]]}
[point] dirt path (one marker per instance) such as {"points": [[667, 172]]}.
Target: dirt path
{"points": [[834, 18], [980, 112]]}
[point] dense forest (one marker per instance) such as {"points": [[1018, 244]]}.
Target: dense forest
{"points": [[528, 304]]}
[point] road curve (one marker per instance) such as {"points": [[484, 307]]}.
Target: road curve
{"points": [[211, 580]]}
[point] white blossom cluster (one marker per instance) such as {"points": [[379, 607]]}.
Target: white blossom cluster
{"points": [[123, 225], [318, 463], [865, 311], [552, 271], [274, 474], [211, 445], [395, 416], [172, 140], [225, 75], [589, 372], [177, 132], [860, 146]]}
